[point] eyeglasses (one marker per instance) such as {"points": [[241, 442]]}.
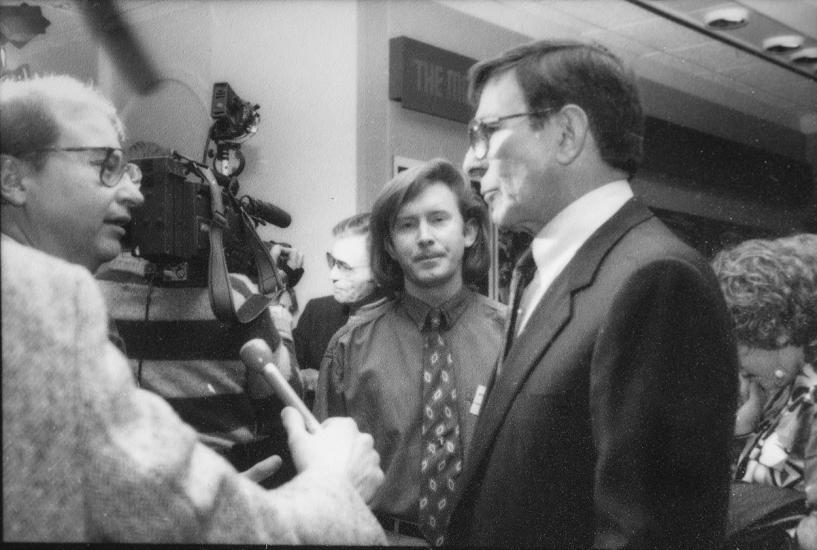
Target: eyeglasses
{"points": [[480, 131], [112, 167], [342, 266]]}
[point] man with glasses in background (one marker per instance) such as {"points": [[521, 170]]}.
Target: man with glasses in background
{"points": [[86, 455], [352, 287], [608, 421]]}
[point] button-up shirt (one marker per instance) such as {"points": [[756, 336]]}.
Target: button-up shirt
{"points": [[556, 244], [372, 371]]}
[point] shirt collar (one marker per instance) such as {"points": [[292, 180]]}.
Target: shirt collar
{"points": [[352, 307], [579, 220], [418, 310]]}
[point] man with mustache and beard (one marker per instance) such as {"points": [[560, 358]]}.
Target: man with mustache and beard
{"points": [[412, 371]]}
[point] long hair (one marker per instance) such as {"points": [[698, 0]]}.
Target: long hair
{"points": [[405, 187]]}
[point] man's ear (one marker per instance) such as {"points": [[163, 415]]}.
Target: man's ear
{"points": [[12, 173], [575, 133], [470, 230]]}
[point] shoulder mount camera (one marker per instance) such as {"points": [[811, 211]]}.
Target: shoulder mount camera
{"points": [[195, 229]]}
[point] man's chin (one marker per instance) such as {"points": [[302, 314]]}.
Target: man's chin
{"points": [[505, 220], [109, 251]]}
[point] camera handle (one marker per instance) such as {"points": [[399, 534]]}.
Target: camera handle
{"points": [[221, 296]]}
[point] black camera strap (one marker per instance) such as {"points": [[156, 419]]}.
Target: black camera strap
{"points": [[269, 278], [221, 296]]}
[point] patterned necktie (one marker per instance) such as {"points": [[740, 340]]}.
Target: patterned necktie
{"points": [[442, 450]]}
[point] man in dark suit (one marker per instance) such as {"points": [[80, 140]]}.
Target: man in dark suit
{"points": [[607, 423]]}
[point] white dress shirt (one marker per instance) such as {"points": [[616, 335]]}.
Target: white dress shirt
{"points": [[556, 244]]}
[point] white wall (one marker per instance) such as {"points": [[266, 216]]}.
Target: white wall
{"points": [[297, 59], [388, 130]]}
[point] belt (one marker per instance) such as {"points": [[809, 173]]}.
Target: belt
{"points": [[400, 526]]}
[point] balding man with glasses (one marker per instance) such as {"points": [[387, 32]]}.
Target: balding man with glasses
{"points": [[86, 455]]}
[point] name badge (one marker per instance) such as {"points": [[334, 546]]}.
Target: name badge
{"points": [[476, 404]]}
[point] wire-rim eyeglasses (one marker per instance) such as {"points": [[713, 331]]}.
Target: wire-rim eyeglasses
{"points": [[481, 130], [112, 167]]}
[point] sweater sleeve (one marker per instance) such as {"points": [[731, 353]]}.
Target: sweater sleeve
{"points": [[147, 479]]}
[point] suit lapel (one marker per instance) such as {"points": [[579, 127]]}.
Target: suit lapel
{"points": [[552, 313]]}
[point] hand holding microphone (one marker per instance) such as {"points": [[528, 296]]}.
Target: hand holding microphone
{"points": [[335, 449]]}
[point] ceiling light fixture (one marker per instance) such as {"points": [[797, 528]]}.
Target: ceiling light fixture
{"points": [[783, 44], [808, 55], [727, 19]]}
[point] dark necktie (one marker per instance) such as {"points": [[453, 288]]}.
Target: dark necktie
{"points": [[442, 449], [523, 273]]}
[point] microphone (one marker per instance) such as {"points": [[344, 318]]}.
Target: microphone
{"points": [[122, 44], [257, 356], [266, 211]]}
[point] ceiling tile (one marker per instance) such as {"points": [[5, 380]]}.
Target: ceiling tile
{"points": [[667, 69], [800, 15], [623, 46], [661, 34], [715, 56], [522, 16], [763, 75], [607, 14]]}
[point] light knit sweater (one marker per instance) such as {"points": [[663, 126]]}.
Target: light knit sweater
{"points": [[89, 457]]}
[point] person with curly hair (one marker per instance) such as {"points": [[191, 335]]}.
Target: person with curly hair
{"points": [[770, 287]]}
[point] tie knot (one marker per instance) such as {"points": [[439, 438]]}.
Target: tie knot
{"points": [[435, 319]]}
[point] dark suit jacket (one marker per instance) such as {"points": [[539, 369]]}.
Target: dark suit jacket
{"points": [[609, 424], [320, 319]]}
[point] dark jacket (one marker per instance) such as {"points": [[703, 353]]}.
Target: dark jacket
{"points": [[319, 321], [610, 423]]}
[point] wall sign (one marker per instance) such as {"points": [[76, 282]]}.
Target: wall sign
{"points": [[428, 79]]}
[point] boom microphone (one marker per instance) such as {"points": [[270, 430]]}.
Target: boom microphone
{"points": [[129, 54], [257, 356], [266, 211]]}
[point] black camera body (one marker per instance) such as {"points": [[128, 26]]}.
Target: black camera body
{"points": [[172, 227], [172, 230]]}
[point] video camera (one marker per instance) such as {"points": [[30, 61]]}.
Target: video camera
{"points": [[176, 226], [235, 119]]}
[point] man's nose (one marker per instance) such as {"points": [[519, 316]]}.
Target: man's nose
{"points": [[424, 232], [128, 191]]}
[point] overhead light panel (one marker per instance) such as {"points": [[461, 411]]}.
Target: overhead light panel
{"points": [[783, 44], [726, 19], [807, 55]]}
